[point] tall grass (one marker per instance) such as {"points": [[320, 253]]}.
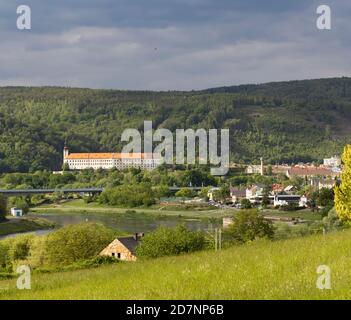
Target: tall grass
{"points": [[259, 270]]}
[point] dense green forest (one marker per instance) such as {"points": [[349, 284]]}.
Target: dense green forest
{"points": [[283, 122]]}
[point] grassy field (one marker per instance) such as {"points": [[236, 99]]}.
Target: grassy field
{"points": [[260, 270], [25, 224]]}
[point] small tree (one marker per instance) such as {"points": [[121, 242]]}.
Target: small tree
{"points": [[245, 203], [185, 193], [247, 226], [222, 194], [343, 191]]}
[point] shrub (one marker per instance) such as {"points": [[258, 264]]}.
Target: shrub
{"points": [[129, 195], [20, 247], [167, 241], [248, 225], [245, 204], [72, 243], [5, 261]]}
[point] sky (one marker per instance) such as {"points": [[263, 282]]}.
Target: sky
{"points": [[171, 44]]}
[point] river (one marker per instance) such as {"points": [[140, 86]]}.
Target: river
{"points": [[127, 222]]}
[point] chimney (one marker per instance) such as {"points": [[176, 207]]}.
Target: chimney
{"points": [[138, 236]]}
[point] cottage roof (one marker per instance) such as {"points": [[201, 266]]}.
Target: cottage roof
{"points": [[130, 243]]}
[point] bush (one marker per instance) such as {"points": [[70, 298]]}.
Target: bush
{"points": [[291, 206], [72, 243], [129, 195], [245, 204], [167, 241], [20, 247], [5, 261], [247, 226], [19, 202], [185, 193]]}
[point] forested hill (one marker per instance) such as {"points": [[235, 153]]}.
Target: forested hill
{"points": [[283, 122]]}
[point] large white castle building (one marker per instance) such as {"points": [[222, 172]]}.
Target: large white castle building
{"points": [[121, 161]]}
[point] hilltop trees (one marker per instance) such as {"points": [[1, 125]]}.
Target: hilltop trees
{"points": [[343, 191], [35, 122]]}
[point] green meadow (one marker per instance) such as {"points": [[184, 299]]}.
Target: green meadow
{"points": [[258, 270]]}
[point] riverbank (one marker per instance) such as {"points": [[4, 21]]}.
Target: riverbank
{"points": [[80, 207], [23, 225]]}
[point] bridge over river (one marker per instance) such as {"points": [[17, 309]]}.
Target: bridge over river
{"points": [[24, 192]]}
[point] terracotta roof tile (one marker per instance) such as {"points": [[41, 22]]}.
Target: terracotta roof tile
{"points": [[107, 156]]}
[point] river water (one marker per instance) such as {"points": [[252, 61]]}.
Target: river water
{"points": [[127, 222]]}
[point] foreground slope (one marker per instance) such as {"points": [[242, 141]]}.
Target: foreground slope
{"points": [[261, 270]]}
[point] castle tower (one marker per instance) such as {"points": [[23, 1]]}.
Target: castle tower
{"points": [[65, 152]]}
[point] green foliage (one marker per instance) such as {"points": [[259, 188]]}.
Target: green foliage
{"points": [[5, 260], [326, 197], [19, 202], [73, 243], [185, 193], [20, 247], [3, 207], [247, 226], [167, 241], [222, 194], [245, 203], [266, 120], [129, 195], [332, 221], [343, 192]]}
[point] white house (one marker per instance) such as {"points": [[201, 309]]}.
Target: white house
{"points": [[332, 162], [237, 194], [16, 212], [285, 199], [254, 192]]}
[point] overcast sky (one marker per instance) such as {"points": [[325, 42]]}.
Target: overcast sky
{"points": [[172, 44]]}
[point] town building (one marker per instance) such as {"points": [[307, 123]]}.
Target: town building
{"points": [[237, 194], [285, 199], [16, 212], [255, 192], [323, 183], [311, 171], [121, 161], [332, 162], [123, 248], [255, 169]]}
